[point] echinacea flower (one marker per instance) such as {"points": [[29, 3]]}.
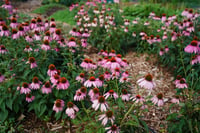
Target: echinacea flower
{"points": [[91, 82], [46, 88], [158, 99], [108, 115], [72, 42], [45, 46], [113, 129], [192, 47], [63, 84], [25, 88], [81, 77], [54, 79], [35, 83], [80, 94], [146, 82], [94, 93], [175, 99], [100, 103], [3, 49], [58, 105], [71, 110], [28, 49], [2, 78], [125, 96], [181, 84], [52, 70], [29, 97], [111, 93], [138, 99], [32, 61]]}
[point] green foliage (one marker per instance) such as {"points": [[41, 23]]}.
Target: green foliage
{"points": [[45, 8], [64, 16], [3, 13]]}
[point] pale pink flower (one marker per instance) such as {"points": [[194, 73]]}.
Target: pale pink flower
{"points": [[125, 74], [46, 88], [192, 47], [100, 103], [3, 49], [35, 83], [58, 105], [181, 84], [25, 88], [194, 59], [71, 110], [113, 129], [175, 99], [146, 82], [108, 115], [32, 61], [158, 99], [52, 70], [29, 97], [161, 51], [4, 31], [72, 42], [45, 46], [125, 96], [138, 99], [166, 49], [29, 38], [94, 93], [80, 94], [111, 94], [28, 49], [2, 78], [91, 82], [81, 77], [62, 84], [54, 79]]}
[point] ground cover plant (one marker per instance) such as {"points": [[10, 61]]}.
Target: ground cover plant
{"points": [[46, 72]]}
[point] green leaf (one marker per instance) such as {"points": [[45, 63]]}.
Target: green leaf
{"points": [[3, 115]]}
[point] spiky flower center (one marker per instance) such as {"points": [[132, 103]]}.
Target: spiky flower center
{"points": [[161, 49], [35, 80], [101, 99], [3, 47], [117, 69], [47, 33], [194, 43], [83, 89], [82, 75], [52, 67], [124, 91], [182, 81], [148, 77], [47, 85], [63, 80], [46, 42], [13, 20], [58, 103], [178, 77], [111, 91], [109, 114], [28, 95], [160, 96], [113, 59], [39, 20], [70, 104], [14, 31], [92, 78], [119, 56], [25, 85], [5, 28], [58, 31], [113, 128], [53, 25], [96, 90], [33, 21], [32, 60], [72, 39], [21, 28], [101, 77], [138, 96], [56, 76]]}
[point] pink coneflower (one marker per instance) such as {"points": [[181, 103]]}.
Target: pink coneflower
{"points": [[81, 77], [146, 82], [94, 93], [32, 61], [2, 78], [108, 115], [52, 21], [4, 31], [111, 94], [194, 59], [35, 83], [57, 34], [52, 28], [37, 35], [138, 99], [29, 38], [52, 70], [63, 84], [73, 32], [100, 80], [123, 80], [91, 82], [158, 99], [46, 88], [47, 36], [178, 77], [29, 97], [14, 34], [46, 24], [80, 94], [58, 105], [13, 23], [3, 49], [181, 84], [125, 74], [125, 96], [161, 51], [28, 49], [124, 63], [185, 12], [175, 99], [192, 47], [8, 7], [112, 53], [25, 88], [112, 64], [71, 110], [166, 49], [21, 31], [113, 129], [84, 43], [54, 79], [100, 103], [33, 24], [72, 42], [45, 46]]}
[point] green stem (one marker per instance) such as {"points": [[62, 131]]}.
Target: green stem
{"points": [[181, 54], [84, 108], [125, 116]]}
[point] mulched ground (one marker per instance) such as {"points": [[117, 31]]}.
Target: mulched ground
{"points": [[140, 64]]}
